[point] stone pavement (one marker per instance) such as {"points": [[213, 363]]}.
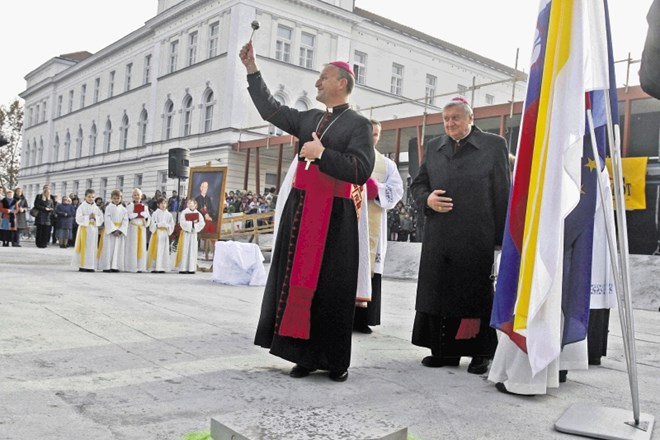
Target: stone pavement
{"points": [[156, 356]]}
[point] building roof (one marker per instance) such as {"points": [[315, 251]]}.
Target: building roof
{"points": [[441, 44], [76, 56]]}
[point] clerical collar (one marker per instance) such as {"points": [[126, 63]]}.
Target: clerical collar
{"points": [[338, 108]]}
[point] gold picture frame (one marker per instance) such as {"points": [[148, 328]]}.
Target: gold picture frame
{"points": [[207, 187]]}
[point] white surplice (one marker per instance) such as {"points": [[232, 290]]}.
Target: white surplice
{"points": [[136, 239], [113, 247], [161, 226], [87, 237]]}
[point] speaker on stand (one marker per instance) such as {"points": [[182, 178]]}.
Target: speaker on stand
{"points": [[178, 167]]}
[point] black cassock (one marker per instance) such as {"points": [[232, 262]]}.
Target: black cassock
{"points": [[458, 246], [348, 156]]}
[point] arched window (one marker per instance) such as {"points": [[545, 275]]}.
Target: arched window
{"points": [[107, 136], [56, 148], [187, 115], [209, 103], [40, 157], [123, 132], [301, 105], [79, 143], [67, 145], [27, 154], [142, 127], [169, 119], [92, 140]]}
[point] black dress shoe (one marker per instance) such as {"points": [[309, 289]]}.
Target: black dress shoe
{"points": [[299, 371], [438, 361], [363, 329], [502, 389], [562, 376], [478, 365], [338, 376], [594, 361]]}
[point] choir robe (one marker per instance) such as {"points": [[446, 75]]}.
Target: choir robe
{"points": [[390, 190], [87, 236], [348, 157], [136, 239], [161, 226], [113, 248], [186, 252]]}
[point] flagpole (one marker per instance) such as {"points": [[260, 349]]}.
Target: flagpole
{"points": [[628, 325], [602, 422]]}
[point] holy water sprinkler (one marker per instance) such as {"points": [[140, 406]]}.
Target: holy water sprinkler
{"points": [[255, 25]]}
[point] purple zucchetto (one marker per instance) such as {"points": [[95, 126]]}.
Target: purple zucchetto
{"points": [[344, 66]]}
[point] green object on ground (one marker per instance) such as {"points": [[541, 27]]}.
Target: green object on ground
{"points": [[198, 436]]}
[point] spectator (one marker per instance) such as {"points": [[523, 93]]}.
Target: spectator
{"points": [[21, 215], [43, 203]]}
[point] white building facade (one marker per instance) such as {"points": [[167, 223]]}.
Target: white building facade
{"points": [[108, 120]]}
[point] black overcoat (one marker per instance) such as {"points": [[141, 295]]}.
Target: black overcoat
{"points": [[458, 246], [349, 156]]}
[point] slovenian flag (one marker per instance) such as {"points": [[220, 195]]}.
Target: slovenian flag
{"points": [[542, 294]]}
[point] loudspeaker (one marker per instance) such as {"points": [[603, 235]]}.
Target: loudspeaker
{"points": [[178, 164]]}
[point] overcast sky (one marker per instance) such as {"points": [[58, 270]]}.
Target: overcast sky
{"points": [[37, 30]]}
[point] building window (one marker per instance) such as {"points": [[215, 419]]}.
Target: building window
{"points": [[88, 184], [187, 115], [64, 194], [120, 183], [123, 133], [83, 94], [306, 50], [53, 188], [137, 181], [214, 30], [129, 73], [26, 158], [461, 89], [360, 67], [79, 143], [192, 48], [208, 112], [490, 99], [169, 119], [103, 188], [76, 187], [70, 101], [92, 140], [162, 181], [97, 89], [30, 117], [142, 128], [111, 85], [271, 179], [396, 83], [67, 146], [59, 107], [283, 44], [43, 111], [147, 69], [36, 114], [107, 136], [431, 81], [174, 50], [40, 154], [56, 148]]}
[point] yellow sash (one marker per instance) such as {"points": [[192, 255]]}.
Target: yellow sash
{"points": [[179, 249], [100, 248], [375, 211], [153, 251], [81, 243], [139, 238]]}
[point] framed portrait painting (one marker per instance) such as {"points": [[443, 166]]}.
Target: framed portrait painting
{"points": [[207, 187]]}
